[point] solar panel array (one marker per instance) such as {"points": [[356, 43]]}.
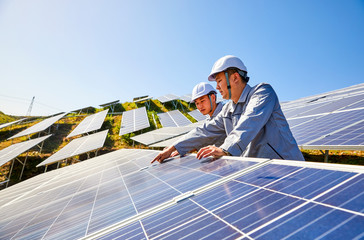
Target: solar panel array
{"points": [[164, 133], [89, 124], [77, 147], [120, 195], [173, 119], [134, 120], [11, 152], [196, 114], [330, 120], [4, 125], [41, 126], [167, 98]]}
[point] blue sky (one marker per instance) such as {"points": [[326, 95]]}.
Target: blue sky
{"points": [[76, 53]]}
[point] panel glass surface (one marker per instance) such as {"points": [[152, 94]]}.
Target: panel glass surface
{"points": [[77, 146], [90, 123], [41, 126], [196, 114], [4, 125], [134, 120], [319, 127], [353, 135], [173, 119], [16, 149], [84, 198], [273, 202]]}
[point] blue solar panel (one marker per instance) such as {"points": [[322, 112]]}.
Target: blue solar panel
{"points": [[272, 202], [309, 182], [353, 135], [333, 105], [322, 126], [349, 195], [314, 221], [266, 200]]}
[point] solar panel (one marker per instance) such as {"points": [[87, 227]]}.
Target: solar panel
{"points": [[142, 99], [41, 126], [4, 125], [313, 130], [196, 114], [90, 123], [164, 133], [16, 149], [186, 98], [327, 107], [167, 98], [120, 195], [134, 120], [167, 143], [109, 103], [173, 119], [77, 147], [275, 201], [352, 136]]}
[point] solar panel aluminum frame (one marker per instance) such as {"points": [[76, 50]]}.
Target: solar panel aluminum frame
{"points": [[333, 147]]}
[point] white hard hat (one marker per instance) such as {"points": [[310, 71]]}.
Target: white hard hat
{"points": [[228, 61], [202, 89]]}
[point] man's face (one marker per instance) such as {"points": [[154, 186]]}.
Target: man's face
{"points": [[203, 104], [221, 85]]}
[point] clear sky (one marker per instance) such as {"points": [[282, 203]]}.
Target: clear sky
{"points": [[71, 54]]}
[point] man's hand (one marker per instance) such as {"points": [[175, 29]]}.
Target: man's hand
{"points": [[210, 151], [166, 153]]}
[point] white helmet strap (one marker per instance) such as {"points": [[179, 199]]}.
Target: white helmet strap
{"points": [[228, 83], [210, 102]]}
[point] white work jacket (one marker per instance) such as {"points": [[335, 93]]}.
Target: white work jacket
{"points": [[253, 127]]}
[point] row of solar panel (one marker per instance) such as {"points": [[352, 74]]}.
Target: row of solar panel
{"points": [[121, 195]]}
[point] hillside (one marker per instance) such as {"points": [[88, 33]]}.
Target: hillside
{"points": [[62, 128], [113, 142]]}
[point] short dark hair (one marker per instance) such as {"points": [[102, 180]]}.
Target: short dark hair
{"points": [[243, 75]]}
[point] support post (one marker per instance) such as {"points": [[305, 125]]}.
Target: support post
{"points": [[326, 155], [25, 161], [11, 170]]}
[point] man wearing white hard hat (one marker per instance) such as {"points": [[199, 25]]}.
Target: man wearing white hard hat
{"points": [[204, 96], [251, 123]]}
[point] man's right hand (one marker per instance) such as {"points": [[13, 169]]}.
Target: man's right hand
{"points": [[166, 153]]}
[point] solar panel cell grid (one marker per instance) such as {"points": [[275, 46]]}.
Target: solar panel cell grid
{"points": [[336, 104], [134, 120], [90, 123], [324, 125], [196, 114], [269, 201], [353, 135], [173, 119], [41, 126], [77, 146]]}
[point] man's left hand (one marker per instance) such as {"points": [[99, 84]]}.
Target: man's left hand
{"points": [[211, 150]]}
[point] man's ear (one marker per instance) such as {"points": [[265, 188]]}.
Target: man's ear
{"points": [[213, 97], [235, 77]]}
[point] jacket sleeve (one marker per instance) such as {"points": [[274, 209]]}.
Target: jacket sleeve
{"points": [[259, 108], [208, 134]]}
